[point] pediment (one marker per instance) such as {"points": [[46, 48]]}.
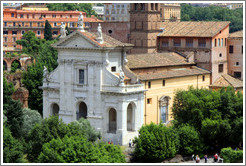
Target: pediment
{"points": [[76, 39]]}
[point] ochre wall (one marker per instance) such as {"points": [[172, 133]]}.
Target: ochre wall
{"points": [[152, 111]]}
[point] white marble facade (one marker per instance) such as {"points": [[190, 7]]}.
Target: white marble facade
{"points": [[86, 84]]}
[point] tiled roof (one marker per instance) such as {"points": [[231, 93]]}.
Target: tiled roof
{"points": [[227, 80], [43, 11], [193, 28], [86, 19], [108, 41], [236, 34], [155, 60], [180, 72]]}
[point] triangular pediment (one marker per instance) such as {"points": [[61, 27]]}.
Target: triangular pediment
{"points": [[77, 40]]}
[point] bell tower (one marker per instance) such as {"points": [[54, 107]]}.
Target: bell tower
{"points": [[144, 27]]}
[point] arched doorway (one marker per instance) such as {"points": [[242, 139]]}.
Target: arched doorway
{"points": [[55, 109], [4, 66], [164, 102], [130, 117], [112, 121], [82, 111], [15, 65]]}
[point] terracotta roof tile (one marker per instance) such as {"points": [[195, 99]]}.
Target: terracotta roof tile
{"points": [[236, 34], [193, 28], [51, 19], [155, 60], [227, 80], [180, 72], [108, 41]]}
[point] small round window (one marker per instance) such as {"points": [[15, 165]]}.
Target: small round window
{"points": [[110, 31]]}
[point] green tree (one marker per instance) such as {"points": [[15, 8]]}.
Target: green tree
{"points": [[232, 156], [14, 66], [12, 148], [8, 90], [47, 31], [154, 144], [30, 119], [77, 149]]}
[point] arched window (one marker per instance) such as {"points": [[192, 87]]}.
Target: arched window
{"points": [[82, 111], [112, 121], [164, 102], [15, 65], [130, 117], [4, 65], [55, 109]]}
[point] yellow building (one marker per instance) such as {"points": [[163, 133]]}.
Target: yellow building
{"points": [[162, 74]]}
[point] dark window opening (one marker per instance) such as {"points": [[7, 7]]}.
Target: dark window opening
{"points": [[231, 49], [110, 31], [163, 82], [149, 84], [215, 42], [81, 76], [221, 68], [113, 68], [149, 101], [237, 63], [14, 32], [237, 74], [203, 78], [242, 49], [5, 32], [220, 55]]}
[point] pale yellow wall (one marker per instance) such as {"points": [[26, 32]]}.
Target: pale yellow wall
{"points": [[33, 8], [152, 111]]}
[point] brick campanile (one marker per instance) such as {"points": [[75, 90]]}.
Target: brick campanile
{"points": [[144, 26]]}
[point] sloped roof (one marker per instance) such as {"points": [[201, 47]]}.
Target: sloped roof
{"points": [[180, 72], [227, 80], [155, 60], [91, 36], [86, 19], [236, 34], [193, 28]]}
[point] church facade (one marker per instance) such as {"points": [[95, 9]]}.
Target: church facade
{"points": [[93, 82]]}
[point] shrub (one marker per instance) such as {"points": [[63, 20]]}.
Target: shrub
{"points": [[12, 148], [190, 141], [154, 143], [77, 149], [231, 156]]}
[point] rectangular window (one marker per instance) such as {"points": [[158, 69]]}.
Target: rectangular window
{"points": [[149, 84], [23, 24], [55, 33], [225, 41], [189, 42], [242, 49], [30, 24], [165, 42], [14, 39], [14, 32], [5, 39], [113, 69], [22, 32], [221, 68], [5, 32], [237, 63], [222, 42], [176, 42], [53, 16], [38, 24], [203, 78], [5, 23], [149, 101], [55, 24], [163, 82], [215, 42], [14, 24], [12, 15], [201, 43], [231, 49], [237, 74], [81, 76], [164, 110], [218, 42], [38, 32], [21, 16]]}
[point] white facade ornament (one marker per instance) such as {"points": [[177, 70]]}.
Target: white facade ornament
{"points": [[99, 33], [81, 23], [122, 76], [63, 31], [46, 74]]}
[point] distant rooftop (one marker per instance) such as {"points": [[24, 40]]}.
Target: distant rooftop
{"points": [[236, 34], [227, 80]]}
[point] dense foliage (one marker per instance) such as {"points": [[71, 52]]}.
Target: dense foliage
{"points": [[47, 31], [215, 114], [8, 90], [231, 156], [213, 13], [154, 144], [55, 128], [14, 66], [76, 149], [45, 55], [12, 148], [85, 7]]}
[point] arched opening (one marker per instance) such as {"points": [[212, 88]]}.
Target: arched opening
{"points": [[164, 112], [130, 118], [82, 111], [55, 109], [112, 121], [4, 66], [15, 65]]}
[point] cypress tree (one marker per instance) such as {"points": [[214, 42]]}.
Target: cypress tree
{"points": [[47, 31]]}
